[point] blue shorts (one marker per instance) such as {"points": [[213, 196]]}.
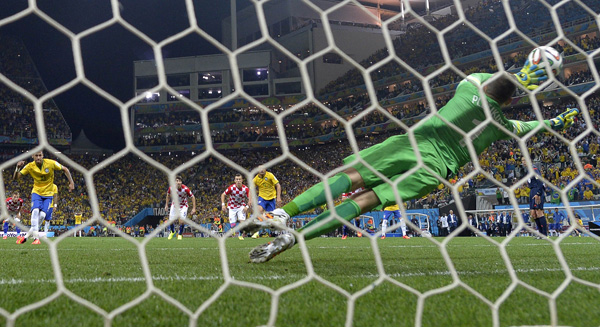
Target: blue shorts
{"points": [[49, 214], [268, 205], [535, 206], [396, 214], [40, 202]]}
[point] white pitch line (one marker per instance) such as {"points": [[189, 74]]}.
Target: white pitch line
{"points": [[384, 246], [14, 281], [118, 250], [381, 246]]}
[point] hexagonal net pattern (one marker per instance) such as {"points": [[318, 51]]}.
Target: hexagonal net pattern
{"points": [[457, 280]]}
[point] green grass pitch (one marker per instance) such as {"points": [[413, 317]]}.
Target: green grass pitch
{"points": [[108, 273]]}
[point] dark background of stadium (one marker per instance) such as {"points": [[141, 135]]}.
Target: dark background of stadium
{"points": [[108, 55]]}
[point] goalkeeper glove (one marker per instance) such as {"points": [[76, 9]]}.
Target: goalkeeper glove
{"points": [[531, 76], [564, 120]]}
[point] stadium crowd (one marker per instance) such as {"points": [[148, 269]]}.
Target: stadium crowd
{"points": [[419, 46], [16, 112], [129, 184], [356, 103]]}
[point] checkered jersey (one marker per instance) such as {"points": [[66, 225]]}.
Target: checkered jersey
{"points": [[351, 193], [237, 196], [14, 205], [184, 194]]}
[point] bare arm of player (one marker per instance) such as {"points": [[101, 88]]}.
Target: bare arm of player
{"points": [[193, 205], [16, 174], [70, 178], [278, 188], [167, 202], [247, 207], [223, 203]]}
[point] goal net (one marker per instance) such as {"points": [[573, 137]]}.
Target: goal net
{"points": [[413, 57]]}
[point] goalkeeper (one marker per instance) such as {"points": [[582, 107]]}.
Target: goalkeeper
{"points": [[443, 150]]}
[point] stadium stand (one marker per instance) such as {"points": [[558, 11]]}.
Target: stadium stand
{"points": [[126, 186]]}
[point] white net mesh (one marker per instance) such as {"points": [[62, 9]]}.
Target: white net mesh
{"points": [[384, 272]]}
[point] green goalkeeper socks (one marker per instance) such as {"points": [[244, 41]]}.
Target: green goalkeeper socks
{"points": [[347, 210], [315, 196]]}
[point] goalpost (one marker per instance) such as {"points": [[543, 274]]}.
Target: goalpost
{"points": [[312, 274]]}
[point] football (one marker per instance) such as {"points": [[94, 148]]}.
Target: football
{"points": [[553, 57]]}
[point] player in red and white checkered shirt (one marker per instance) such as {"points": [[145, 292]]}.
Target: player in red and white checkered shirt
{"points": [[14, 205], [344, 227], [351, 193], [183, 193], [238, 194]]}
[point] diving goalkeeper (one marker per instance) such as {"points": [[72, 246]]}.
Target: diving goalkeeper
{"points": [[443, 151]]}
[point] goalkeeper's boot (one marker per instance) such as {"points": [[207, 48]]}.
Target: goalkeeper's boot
{"points": [[36, 242], [277, 218], [179, 237], [21, 240], [256, 235], [254, 226], [266, 252], [241, 238], [171, 235]]}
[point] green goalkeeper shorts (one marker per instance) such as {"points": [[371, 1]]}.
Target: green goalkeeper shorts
{"points": [[392, 158]]}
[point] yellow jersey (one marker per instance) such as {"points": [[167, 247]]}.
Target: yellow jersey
{"points": [[266, 186], [78, 219], [43, 178], [392, 208]]}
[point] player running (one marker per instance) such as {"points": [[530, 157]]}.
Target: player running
{"points": [[269, 192], [393, 212], [183, 193], [236, 203], [14, 204], [443, 151], [42, 172]]}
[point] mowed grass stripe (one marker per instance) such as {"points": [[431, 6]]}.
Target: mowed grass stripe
{"points": [[291, 277]]}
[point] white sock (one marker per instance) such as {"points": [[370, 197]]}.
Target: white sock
{"points": [[35, 223], [46, 226], [43, 218], [403, 227], [384, 227]]}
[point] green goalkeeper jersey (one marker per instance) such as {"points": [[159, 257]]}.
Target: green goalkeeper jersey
{"points": [[465, 111]]}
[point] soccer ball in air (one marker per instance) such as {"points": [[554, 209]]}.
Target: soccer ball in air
{"points": [[553, 57]]}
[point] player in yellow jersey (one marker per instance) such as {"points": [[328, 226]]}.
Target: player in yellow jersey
{"points": [[269, 190], [394, 212], [78, 218], [51, 210], [42, 172]]}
